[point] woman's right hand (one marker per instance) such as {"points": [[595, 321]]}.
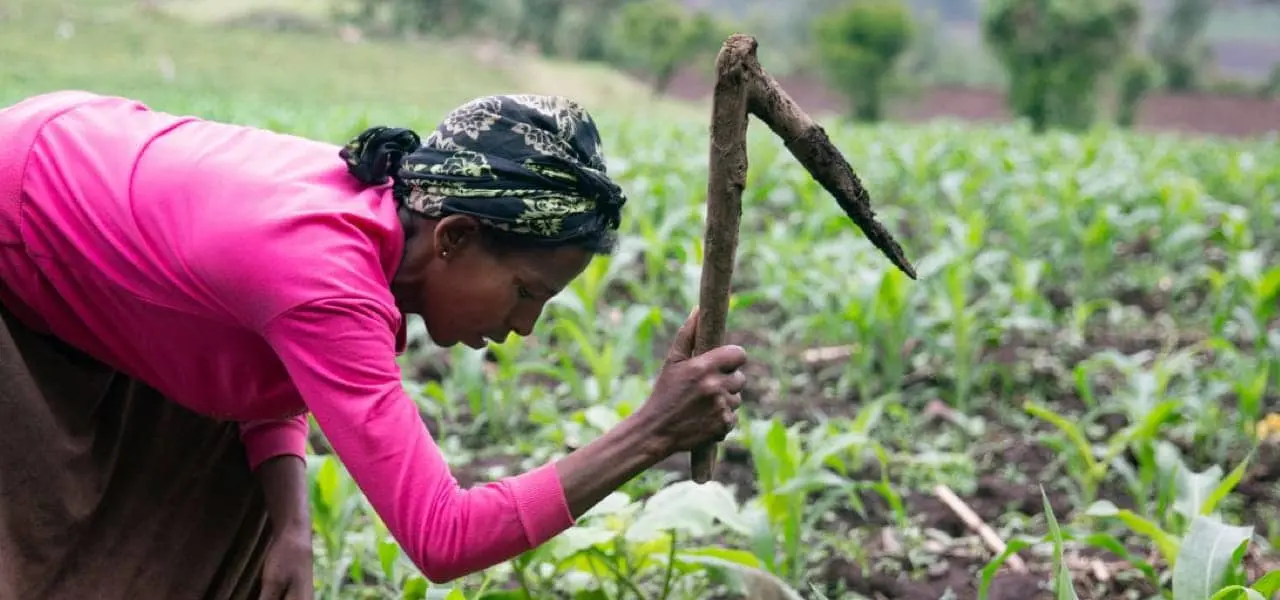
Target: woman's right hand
{"points": [[694, 398]]}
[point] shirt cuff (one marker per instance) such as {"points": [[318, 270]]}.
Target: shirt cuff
{"points": [[268, 438], [540, 503]]}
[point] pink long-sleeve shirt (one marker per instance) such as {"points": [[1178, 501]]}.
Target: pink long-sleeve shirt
{"points": [[245, 275]]}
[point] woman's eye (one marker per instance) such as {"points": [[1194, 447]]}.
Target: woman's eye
{"points": [[524, 291]]}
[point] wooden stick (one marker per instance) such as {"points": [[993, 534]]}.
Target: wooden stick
{"points": [[974, 522], [743, 88], [809, 143], [726, 180]]}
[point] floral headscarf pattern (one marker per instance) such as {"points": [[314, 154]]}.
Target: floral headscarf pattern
{"points": [[528, 165]]}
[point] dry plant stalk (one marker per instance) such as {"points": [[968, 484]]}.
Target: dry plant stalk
{"points": [[744, 88], [975, 522]]}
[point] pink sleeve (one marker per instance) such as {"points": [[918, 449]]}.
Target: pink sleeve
{"points": [[268, 438], [341, 355]]}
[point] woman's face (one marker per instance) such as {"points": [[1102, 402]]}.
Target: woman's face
{"points": [[467, 293]]}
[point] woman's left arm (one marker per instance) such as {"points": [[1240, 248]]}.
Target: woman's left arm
{"points": [[276, 451], [288, 571], [284, 484]]}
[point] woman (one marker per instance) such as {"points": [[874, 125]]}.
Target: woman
{"points": [[178, 295]]}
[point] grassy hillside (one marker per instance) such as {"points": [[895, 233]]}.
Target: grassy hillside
{"points": [[222, 11], [255, 77]]}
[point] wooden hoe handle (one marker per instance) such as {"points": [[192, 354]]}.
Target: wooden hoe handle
{"points": [[743, 88]]}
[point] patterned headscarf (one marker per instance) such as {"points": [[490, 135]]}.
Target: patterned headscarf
{"points": [[527, 165]]}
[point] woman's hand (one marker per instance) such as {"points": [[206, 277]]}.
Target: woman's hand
{"points": [[692, 403], [287, 573], [694, 398]]}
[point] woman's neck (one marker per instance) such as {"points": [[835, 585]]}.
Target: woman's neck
{"points": [[407, 282]]}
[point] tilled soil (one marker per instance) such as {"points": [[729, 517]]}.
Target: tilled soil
{"points": [[949, 565], [1213, 114], [952, 569]]}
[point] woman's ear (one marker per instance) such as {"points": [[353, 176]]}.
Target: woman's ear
{"points": [[454, 234]]}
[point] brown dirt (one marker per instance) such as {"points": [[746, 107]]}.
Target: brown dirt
{"points": [[1234, 116]]}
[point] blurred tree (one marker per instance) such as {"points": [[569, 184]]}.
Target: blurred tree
{"points": [[1137, 78], [445, 18], [1057, 52], [1178, 43], [540, 24], [1271, 87], [660, 36], [592, 25], [858, 45]]}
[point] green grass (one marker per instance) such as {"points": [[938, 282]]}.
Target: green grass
{"points": [[213, 12], [255, 77], [1096, 316]]}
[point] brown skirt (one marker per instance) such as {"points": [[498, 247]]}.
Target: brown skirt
{"points": [[109, 491]]}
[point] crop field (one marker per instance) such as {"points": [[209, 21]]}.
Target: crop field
{"points": [[1095, 330], [1082, 387]]}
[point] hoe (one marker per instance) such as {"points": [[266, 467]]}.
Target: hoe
{"points": [[744, 88]]}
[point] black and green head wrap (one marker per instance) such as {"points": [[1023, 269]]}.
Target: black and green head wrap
{"points": [[528, 166]]}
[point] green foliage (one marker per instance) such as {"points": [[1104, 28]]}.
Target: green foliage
{"points": [[1123, 289], [1057, 53], [662, 36], [1137, 77], [1149, 460], [444, 18], [858, 45], [1209, 557], [539, 24], [588, 28], [1271, 87], [553, 28]]}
